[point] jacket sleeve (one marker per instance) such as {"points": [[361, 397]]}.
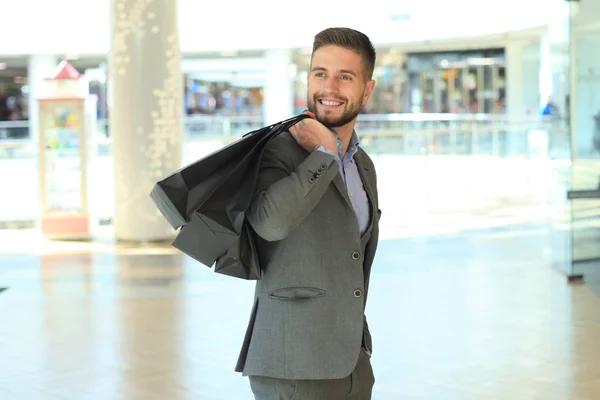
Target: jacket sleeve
{"points": [[285, 196]]}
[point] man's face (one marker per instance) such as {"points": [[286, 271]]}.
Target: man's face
{"points": [[337, 87]]}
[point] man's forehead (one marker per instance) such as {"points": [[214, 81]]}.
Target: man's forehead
{"points": [[332, 48], [331, 60]]}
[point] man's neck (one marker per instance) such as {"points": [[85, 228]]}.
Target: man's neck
{"points": [[344, 133]]}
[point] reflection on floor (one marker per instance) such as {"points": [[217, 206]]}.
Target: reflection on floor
{"points": [[591, 274], [473, 315]]}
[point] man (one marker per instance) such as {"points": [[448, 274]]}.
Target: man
{"points": [[316, 216], [550, 108]]}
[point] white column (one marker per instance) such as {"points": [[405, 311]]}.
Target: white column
{"points": [[279, 96], [522, 78], [145, 111], [515, 79], [546, 75], [39, 67]]}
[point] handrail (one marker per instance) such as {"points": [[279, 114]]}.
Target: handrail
{"points": [[422, 117], [14, 124], [403, 117], [368, 125], [14, 143]]}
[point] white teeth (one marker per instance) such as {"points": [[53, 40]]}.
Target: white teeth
{"points": [[330, 103]]}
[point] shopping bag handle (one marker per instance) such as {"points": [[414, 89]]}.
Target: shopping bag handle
{"points": [[286, 124]]}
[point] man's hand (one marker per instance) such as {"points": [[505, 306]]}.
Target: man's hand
{"points": [[310, 134]]}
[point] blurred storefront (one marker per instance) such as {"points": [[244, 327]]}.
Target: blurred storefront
{"points": [[457, 82], [221, 98]]}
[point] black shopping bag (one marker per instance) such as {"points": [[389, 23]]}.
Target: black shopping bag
{"points": [[208, 200], [240, 259]]}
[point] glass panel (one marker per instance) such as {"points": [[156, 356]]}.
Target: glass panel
{"points": [[455, 90], [489, 94], [501, 88], [555, 88], [444, 90], [427, 88], [472, 88], [585, 121]]}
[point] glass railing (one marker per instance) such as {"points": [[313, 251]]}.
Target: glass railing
{"points": [[396, 137], [472, 134]]}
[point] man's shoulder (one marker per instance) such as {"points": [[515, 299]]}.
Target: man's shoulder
{"points": [[284, 142], [284, 138]]}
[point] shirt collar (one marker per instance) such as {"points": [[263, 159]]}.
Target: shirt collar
{"points": [[352, 146], [354, 143]]}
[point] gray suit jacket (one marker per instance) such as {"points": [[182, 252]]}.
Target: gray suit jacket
{"points": [[308, 317]]}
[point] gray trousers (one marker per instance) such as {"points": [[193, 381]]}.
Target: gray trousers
{"points": [[356, 386]]}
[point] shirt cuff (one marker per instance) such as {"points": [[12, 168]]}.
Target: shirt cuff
{"points": [[321, 148]]}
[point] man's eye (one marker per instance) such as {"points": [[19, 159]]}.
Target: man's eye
{"points": [[346, 77]]}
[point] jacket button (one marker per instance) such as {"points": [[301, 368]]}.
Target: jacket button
{"points": [[355, 255], [312, 179], [358, 293]]}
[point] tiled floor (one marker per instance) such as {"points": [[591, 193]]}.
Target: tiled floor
{"points": [[464, 303], [474, 315]]}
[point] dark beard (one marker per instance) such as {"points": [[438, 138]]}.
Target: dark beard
{"points": [[347, 116]]}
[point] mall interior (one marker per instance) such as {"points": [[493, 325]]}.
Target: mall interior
{"points": [[484, 127]]}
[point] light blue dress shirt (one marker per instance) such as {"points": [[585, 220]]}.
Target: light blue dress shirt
{"points": [[351, 177]]}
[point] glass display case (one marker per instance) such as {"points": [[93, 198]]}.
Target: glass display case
{"points": [[67, 123]]}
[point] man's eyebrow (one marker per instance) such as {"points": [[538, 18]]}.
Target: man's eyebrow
{"points": [[342, 71], [347, 71]]}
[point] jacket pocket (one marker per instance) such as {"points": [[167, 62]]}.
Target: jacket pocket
{"points": [[296, 293]]}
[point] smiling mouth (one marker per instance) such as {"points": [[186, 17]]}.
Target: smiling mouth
{"points": [[330, 103]]}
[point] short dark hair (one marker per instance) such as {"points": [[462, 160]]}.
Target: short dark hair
{"points": [[349, 39]]}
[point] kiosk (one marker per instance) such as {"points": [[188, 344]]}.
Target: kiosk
{"points": [[67, 128]]}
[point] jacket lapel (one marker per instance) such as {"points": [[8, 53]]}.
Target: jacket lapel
{"points": [[339, 184], [364, 176]]}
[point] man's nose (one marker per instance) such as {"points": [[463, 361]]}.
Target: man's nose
{"points": [[331, 84]]}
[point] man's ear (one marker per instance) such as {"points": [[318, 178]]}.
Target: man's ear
{"points": [[368, 91]]}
